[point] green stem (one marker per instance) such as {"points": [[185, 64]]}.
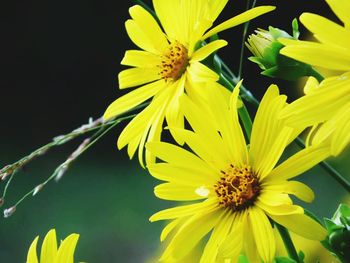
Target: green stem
{"points": [[246, 120], [242, 112], [336, 175], [245, 30], [288, 243], [329, 169]]}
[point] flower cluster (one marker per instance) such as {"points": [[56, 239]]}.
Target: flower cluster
{"points": [[234, 177]]}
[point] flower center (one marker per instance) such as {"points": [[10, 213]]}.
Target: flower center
{"points": [[174, 62], [238, 188]]}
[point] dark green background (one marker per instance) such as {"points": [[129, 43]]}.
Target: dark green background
{"points": [[60, 61]]}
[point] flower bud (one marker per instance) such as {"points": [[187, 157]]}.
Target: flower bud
{"points": [[338, 239], [265, 47]]}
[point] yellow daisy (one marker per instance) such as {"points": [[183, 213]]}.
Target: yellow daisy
{"points": [[333, 50], [241, 187], [326, 106], [50, 253], [168, 64]]}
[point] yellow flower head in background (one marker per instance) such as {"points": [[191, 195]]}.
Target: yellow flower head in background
{"points": [[241, 186], [49, 251], [328, 101], [168, 64], [333, 50], [326, 106]]}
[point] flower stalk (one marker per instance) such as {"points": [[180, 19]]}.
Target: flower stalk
{"points": [[287, 241]]}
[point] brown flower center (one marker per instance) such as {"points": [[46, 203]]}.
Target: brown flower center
{"points": [[238, 188], [174, 62]]}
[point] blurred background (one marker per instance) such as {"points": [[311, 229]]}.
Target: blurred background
{"points": [[60, 61]]}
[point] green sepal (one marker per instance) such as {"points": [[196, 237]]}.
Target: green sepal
{"points": [[284, 260], [338, 239], [242, 259]]}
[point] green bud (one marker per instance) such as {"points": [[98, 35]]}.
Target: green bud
{"points": [[338, 239], [265, 47]]}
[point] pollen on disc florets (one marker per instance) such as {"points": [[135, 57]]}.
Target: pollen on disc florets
{"points": [[174, 61], [237, 188]]}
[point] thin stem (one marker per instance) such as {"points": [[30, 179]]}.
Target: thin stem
{"points": [[246, 120], [245, 30], [336, 175], [6, 187], [288, 243], [328, 168], [97, 136], [242, 111]]}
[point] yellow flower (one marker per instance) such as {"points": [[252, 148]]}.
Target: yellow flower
{"points": [[326, 106], [168, 64], [50, 253], [333, 50], [241, 187]]}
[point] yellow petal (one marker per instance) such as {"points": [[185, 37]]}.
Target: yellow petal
{"points": [[341, 137], [141, 123], [154, 133], [149, 27], [316, 54], [176, 192], [194, 112], [210, 153], [207, 50], [341, 8], [311, 85], [173, 115], [185, 210], [263, 234], [232, 245], [167, 12], [274, 197], [326, 31], [217, 237], [49, 247], [66, 250], [318, 106], [239, 19], [215, 8], [249, 242], [225, 111], [140, 59], [137, 76], [132, 99], [201, 73], [182, 175], [302, 225], [32, 254], [300, 190], [190, 233], [269, 134], [298, 163], [175, 155], [169, 228], [280, 209]]}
